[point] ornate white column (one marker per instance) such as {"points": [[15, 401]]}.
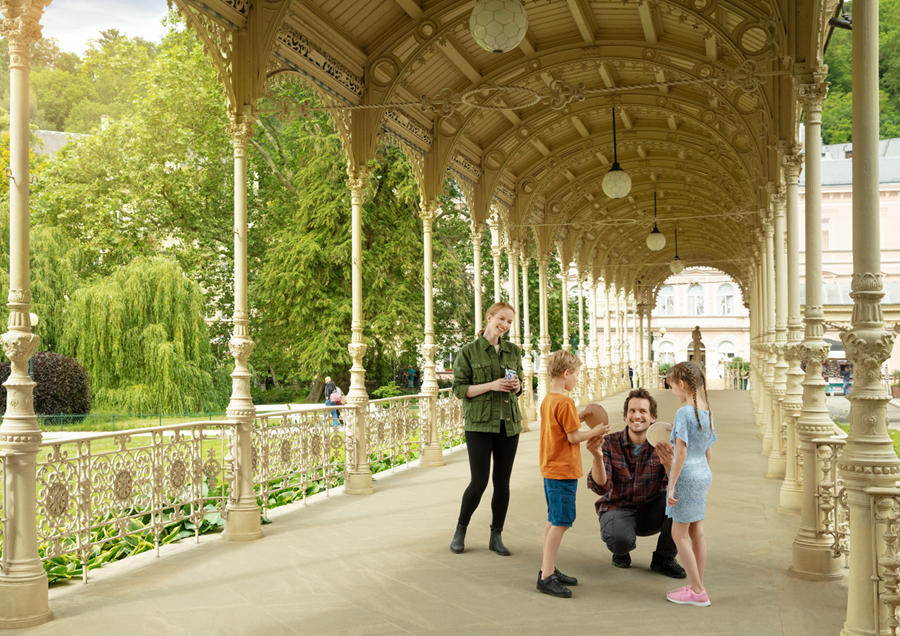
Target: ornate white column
{"points": [[771, 359], [544, 342], [791, 496], [242, 511], [812, 553], [527, 366], [621, 328], [651, 376], [591, 350], [23, 582], [868, 460], [779, 385], [608, 368], [564, 275], [359, 474], [582, 354], [512, 251], [599, 390], [639, 337], [496, 252], [477, 237], [432, 454]]}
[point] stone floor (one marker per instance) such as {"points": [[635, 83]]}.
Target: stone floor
{"points": [[381, 565]]}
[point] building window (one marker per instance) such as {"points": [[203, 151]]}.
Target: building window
{"points": [[725, 350], [665, 301], [695, 301], [666, 353], [726, 300]]}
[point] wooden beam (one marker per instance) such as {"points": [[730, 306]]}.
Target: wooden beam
{"points": [[582, 20], [448, 48], [527, 46], [601, 158], [672, 125], [712, 49], [641, 152], [661, 77], [544, 150], [626, 119], [568, 174], [647, 23], [411, 8], [579, 126], [606, 74]]}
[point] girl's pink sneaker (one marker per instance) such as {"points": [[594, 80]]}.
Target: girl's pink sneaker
{"points": [[683, 587], [686, 596]]}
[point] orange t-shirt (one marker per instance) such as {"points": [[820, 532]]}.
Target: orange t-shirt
{"points": [[559, 458]]}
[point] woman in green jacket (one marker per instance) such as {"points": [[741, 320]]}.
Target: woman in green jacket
{"points": [[486, 376]]}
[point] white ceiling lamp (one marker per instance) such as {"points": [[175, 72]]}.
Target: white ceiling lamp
{"points": [[677, 265], [498, 26], [616, 184], [656, 240]]}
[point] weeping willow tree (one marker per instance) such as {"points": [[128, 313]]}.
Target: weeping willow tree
{"points": [[141, 336]]}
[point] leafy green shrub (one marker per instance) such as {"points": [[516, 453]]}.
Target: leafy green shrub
{"points": [[62, 387], [281, 395], [665, 368], [444, 384], [389, 390]]}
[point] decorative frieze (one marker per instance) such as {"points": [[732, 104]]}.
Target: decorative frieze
{"points": [[301, 45]]}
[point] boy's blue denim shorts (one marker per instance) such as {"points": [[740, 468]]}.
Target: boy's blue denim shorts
{"points": [[560, 494]]}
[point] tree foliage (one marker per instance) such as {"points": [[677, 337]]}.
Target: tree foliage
{"points": [[62, 385], [141, 336]]}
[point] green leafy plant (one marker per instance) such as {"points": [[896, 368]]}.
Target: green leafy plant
{"points": [[389, 390], [62, 387], [665, 368]]}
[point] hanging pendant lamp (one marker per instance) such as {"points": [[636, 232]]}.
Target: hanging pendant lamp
{"points": [[498, 26], [616, 184], [677, 265], [656, 240]]}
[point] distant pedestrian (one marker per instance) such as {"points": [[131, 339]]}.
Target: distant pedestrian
{"points": [[412, 377], [332, 390], [845, 377]]}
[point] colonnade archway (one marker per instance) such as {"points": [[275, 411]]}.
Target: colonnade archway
{"points": [[703, 99]]}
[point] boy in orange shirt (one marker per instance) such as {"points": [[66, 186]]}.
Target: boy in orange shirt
{"points": [[560, 465]]}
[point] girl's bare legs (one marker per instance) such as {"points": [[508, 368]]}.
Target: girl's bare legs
{"points": [[698, 543], [686, 552]]}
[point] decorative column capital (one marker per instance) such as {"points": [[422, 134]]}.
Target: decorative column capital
{"points": [[524, 258], [477, 235], [793, 165], [240, 128], [428, 212], [812, 98], [21, 26], [769, 228]]}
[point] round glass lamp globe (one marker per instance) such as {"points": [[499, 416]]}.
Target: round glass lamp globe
{"points": [[498, 26], [616, 184], [677, 266], [656, 240]]}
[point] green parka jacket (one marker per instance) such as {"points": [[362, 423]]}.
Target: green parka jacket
{"points": [[478, 363]]}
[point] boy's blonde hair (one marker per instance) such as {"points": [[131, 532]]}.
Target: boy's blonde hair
{"points": [[561, 361]]}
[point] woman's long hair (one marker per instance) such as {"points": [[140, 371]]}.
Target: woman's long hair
{"points": [[493, 309], [694, 377]]}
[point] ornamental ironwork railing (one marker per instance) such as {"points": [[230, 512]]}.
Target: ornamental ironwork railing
{"points": [[395, 432], [97, 489], [884, 506], [450, 423], [831, 496], [299, 453]]}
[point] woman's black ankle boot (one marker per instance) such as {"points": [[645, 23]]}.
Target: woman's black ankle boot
{"points": [[496, 543], [459, 540]]}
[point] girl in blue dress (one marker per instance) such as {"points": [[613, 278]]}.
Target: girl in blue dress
{"points": [[690, 478]]}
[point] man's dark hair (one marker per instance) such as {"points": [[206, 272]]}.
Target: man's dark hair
{"points": [[643, 394]]}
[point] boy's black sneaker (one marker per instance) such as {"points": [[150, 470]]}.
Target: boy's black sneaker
{"points": [[565, 579], [553, 586], [668, 566], [623, 561]]}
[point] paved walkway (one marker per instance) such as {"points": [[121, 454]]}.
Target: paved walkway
{"points": [[381, 565]]}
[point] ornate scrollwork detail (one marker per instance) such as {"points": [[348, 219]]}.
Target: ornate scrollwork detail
{"points": [[178, 473], [812, 96], [868, 356], [19, 347], [57, 500], [867, 282], [123, 485], [241, 349], [559, 94], [241, 129], [357, 351], [746, 76]]}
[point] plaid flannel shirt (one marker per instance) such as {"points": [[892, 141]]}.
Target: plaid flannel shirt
{"points": [[632, 481]]}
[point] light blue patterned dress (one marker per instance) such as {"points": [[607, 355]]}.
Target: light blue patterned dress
{"points": [[696, 477]]}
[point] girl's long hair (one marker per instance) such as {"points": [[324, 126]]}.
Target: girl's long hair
{"points": [[694, 377], [493, 309]]}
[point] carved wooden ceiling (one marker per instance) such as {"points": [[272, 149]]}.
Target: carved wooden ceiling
{"points": [[703, 90]]}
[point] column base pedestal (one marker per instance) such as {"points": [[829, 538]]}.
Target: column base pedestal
{"points": [[777, 466], [531, 414], [242, 524], [767, 444], [790, 500], [24, 603], [812, 561], [432, 457], [358, 484]]}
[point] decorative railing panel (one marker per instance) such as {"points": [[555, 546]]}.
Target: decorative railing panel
{"points": [[451, 426], [885, 514], [300, 453], [832, 496], [98, 489], [394, 431]]}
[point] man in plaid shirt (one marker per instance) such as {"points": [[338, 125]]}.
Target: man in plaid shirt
{"points": [[631, 478]]}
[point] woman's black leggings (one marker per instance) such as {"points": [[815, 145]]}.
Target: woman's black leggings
{"points": [[480, 447]]}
